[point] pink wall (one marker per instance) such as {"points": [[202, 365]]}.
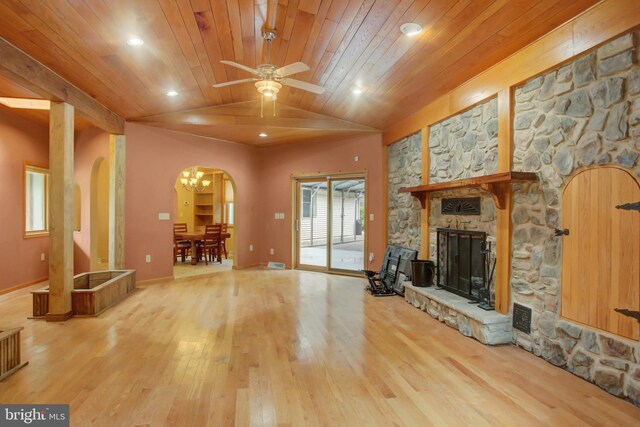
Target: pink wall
{"points": [[90, 145], [281, 162], [20, 140], [155, 157]]}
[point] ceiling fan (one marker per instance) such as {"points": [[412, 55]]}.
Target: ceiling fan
{"points": [[269, 78]]}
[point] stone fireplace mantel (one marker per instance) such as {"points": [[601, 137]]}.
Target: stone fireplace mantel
{"points": [[494, 184]]}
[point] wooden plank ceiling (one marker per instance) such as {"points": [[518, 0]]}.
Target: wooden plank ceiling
{"points": [[344, 42]]}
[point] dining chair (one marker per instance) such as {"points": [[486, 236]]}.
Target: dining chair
{"points": [[211, 243], [180, 247], [223, 240]]}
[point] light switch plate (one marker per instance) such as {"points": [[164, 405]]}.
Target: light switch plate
{"points": [[164, 216], [370, 217]]}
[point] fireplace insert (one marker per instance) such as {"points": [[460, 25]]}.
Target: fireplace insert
{"points": [[461, 261]]}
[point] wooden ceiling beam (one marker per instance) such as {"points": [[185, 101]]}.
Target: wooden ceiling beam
{"points": [[36, 77], [266, 122]]}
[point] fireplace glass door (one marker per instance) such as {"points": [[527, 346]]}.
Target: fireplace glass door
{"points": [[461, 261]]}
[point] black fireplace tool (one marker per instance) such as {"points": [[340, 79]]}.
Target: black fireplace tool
{"points": [[484, 294]]}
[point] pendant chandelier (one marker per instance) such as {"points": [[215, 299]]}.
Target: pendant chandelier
{"points": [[192, 180]]}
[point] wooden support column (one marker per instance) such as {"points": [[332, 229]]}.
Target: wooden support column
{"points": [[60, 211], [504, 226], [426, 208], [116, 201]]}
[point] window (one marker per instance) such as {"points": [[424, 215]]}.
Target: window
{"points": [[229, 205], [229, 212], [36, 194], [309, 205]]}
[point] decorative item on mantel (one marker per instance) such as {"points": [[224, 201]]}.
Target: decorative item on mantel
{"points": [[496, 184]]}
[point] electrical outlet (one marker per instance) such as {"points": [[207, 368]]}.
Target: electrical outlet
{"points": [[148, 258], [250, 248], [370, 256], [271, 251], [356, 158], [42, 256], [370, 217]]}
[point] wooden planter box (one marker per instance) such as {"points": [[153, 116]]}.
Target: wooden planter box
{"points": [[92, 293], [10, 352]]}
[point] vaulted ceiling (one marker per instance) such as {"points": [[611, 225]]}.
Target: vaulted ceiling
{"points": [[344, 42]]}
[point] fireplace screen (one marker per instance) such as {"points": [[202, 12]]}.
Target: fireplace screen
{"points": [[461, 261]]}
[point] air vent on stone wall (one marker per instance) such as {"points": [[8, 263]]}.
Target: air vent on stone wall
{"points": [[464, 206], [522, 318]]}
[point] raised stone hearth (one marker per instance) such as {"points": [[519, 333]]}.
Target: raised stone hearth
{"points": [[488, 327]]}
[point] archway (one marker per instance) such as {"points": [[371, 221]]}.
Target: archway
{"points": [[205, 196], [99, 215]]}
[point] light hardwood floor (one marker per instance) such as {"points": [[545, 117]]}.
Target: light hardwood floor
{"points": [[286, 348]]}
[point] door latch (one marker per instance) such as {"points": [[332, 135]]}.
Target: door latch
{"points": [[560, 233]]}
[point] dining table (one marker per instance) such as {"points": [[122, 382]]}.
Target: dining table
{"points": [[198, 236]]}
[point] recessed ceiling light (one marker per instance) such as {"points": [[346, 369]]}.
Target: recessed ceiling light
{"points": [[263, 135], [410, 29], [356, 90], [172, 93], [135, 41]]}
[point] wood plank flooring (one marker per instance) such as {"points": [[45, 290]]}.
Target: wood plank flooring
{"points": [[286, 348]]}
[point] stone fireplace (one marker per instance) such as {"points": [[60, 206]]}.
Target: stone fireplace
{"points": [[585, 114]]}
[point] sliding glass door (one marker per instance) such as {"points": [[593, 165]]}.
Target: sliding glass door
{"points": [[312, 225], [347, 224], [330, 223]]}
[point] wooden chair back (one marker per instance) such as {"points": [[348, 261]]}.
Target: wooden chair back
{"points": [[178, 228], [212, 233]]}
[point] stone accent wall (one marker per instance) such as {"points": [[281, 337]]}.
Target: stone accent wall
{"points": [[465, 145], [404, 170], [582, 114]]}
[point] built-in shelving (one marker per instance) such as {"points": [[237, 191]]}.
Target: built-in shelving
{"points": [[496, 184], [204, 204]]}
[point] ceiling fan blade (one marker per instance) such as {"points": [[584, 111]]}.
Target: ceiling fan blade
{"points": [[234, 82], [242, 67], [303, 85], [287, 70]]}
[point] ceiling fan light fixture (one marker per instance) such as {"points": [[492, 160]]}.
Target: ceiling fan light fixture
{"points": [[268, 88], [172, 93], [410, 29], [357, 90], [135, 41]]}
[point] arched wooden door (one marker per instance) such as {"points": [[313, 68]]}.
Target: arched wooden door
{"points": [[601, 254]]}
